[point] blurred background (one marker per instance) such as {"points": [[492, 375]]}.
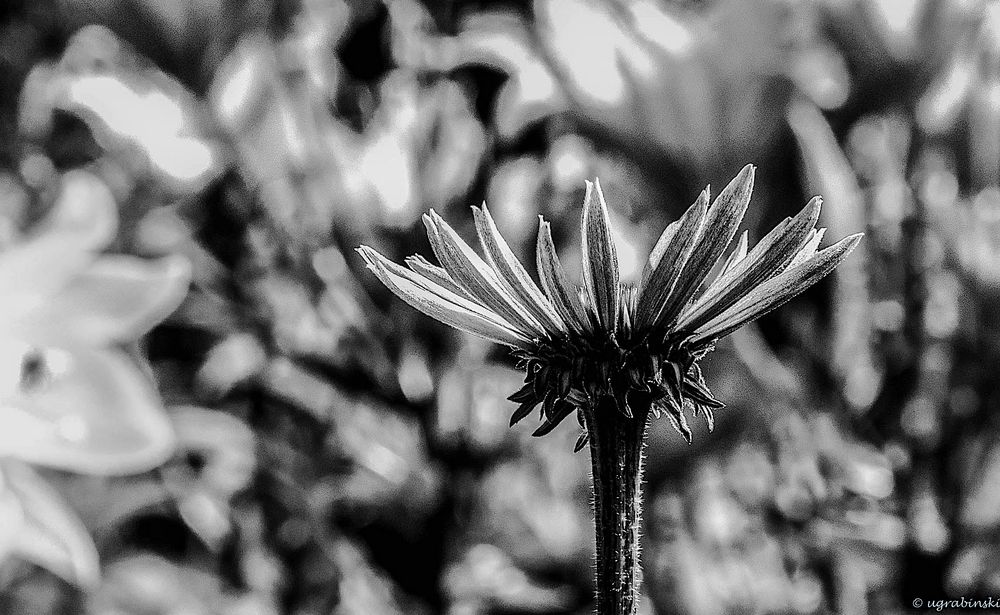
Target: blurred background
{"points": [[209, 407]]}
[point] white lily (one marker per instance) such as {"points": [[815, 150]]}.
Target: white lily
{"points": [[70, 397]]}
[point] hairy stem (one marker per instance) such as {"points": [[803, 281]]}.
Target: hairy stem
{"points": [[616, 457]]}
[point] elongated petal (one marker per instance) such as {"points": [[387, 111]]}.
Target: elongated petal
{"points": [[776, 291], [671, 261], [440, 303], [776, 253], [421, 266], [600, 258], [90, 411], [721, 222], [809, 248], [474, 275], [656, 254], [115, 300], [563, 295], [50, 534], [512, 271], [738, 254]]}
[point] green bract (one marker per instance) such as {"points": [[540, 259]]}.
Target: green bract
{"points": [[606, 338]]}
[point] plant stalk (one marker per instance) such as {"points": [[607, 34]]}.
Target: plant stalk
{"points": [[616, 458]]}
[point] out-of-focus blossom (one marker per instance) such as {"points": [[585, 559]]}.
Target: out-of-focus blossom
{"points": [[70, 398]]}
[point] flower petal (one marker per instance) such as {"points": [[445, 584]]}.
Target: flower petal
{"points": [[600, 258], [421, 266], [50, 533], [670, 261], [440, 303], [89, 411], [564, 297], [512, 271], [737, 255], [476, 277], [83, 220], [776, 291], [768, 258], [809, 247], [115, 300], [721, 222]]}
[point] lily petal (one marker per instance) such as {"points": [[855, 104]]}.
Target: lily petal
{"points": [[600, 258], [440, 303], [117, 299], [83, 220], [91, 411], [564, 297], [512, 271], [776, 291], [50, 533]]}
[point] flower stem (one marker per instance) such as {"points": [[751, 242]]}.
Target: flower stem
{"points": [[616, 457]]}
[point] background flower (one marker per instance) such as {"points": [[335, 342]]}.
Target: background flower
{"points": [[72, 399]]}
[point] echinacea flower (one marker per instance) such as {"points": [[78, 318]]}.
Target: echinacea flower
{"points": [[608, 340], [610, 351], [71, 398]]}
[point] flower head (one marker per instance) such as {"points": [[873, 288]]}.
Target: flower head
{"points": [[71, 398], [608, 339]]}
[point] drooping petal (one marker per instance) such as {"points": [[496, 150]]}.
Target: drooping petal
{"points": [[769, 258], [721, 222], [671, 255], [475, 276], [50, 534], [115, 300], [85, 410], [600, 258], [440, 303], [564, 297], [421, 266], [512, 271], [776, 291]]}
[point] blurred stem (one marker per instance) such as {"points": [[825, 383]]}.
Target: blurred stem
{"points": [[616, 457]]}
